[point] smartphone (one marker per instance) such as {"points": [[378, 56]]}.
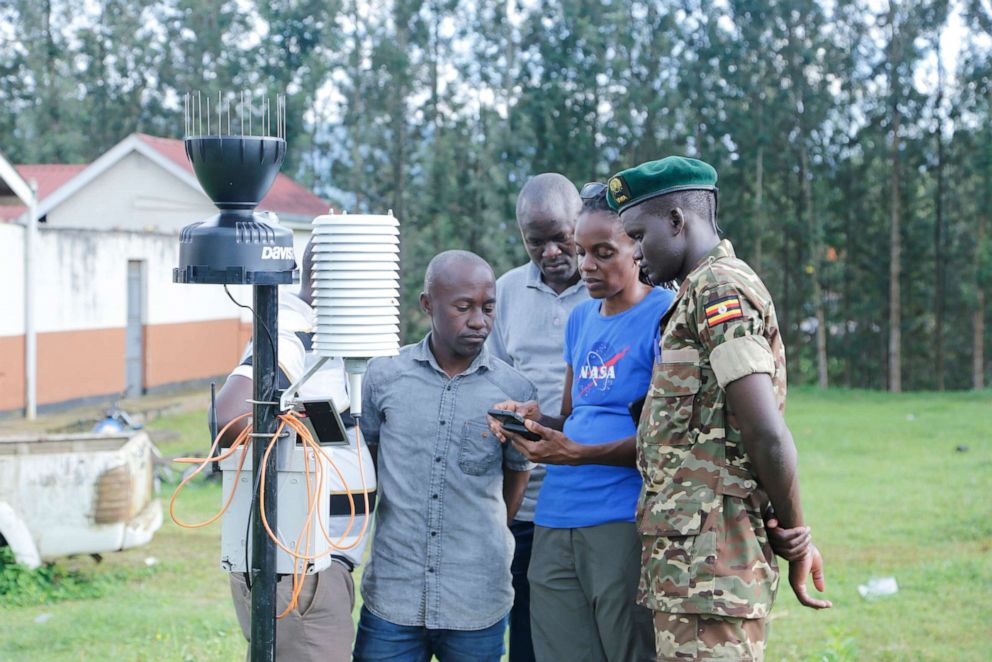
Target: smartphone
{"points": [[513, 422]]}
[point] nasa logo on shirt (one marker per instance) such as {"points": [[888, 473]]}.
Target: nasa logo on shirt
{"points": [[599, 370]]}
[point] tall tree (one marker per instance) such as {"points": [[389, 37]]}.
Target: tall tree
{"points": [[805, 51], [118, 55], [894, 57], [295, 58], [841, 181], [976, 70], [903, 23], [938, 227], [47, 133]]}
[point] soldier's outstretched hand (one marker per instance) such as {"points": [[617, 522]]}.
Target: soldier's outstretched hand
{"points": [[811, 563]]}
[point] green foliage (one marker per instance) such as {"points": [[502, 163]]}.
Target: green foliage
{"points": [[441, 109], [841, 648], [885, 491], [48, 583]]}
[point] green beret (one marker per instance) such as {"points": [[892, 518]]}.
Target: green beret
{"points": [[649, 180]]}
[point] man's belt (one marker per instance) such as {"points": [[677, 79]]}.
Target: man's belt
{"points": [[345, 561]]}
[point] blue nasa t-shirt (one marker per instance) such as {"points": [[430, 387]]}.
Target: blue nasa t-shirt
{"points": [[611, 358]]}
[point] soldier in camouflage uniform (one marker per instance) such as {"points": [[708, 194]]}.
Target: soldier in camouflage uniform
{"points": [[712, 444]]}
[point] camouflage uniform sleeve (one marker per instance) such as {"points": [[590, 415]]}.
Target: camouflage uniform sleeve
{"points": [[731, 325]]}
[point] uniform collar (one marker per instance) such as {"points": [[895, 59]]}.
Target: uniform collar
{"points": [[721, 251], [423, 354]]}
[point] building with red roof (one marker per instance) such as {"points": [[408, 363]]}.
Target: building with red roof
{"points": [[293, 203], [106, 317], [47, 177]]}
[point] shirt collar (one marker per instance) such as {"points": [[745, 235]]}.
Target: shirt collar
{"points": [[423, 354], [721, 251], [535, 281]]}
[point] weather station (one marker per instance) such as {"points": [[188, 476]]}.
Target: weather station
{"points": [[277, 473]]}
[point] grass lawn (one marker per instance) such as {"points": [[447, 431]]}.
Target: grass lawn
{"points": [[886, 492]]}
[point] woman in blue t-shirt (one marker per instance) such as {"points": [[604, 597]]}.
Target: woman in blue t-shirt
{"points": [[585, 562]]}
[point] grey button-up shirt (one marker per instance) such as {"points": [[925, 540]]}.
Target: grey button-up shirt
{"points": [[441, 550], [529, 334]]}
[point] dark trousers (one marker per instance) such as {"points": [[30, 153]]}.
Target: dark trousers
{"points": [[583, 585], [521, 648], [382, 641]]}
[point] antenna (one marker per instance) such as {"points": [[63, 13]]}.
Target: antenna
{"points": [[194, 114], [238, 246]]}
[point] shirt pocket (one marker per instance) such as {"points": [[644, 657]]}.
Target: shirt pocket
{"points": [[480, 453], [671, 506], [672, 394], [664, 439]]}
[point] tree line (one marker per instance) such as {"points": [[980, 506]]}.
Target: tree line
{"points": [[855, 164]]}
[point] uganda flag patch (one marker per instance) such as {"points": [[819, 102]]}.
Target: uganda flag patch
{"points": [[723, 310]]}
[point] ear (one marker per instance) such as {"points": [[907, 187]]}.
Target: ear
{"points": [[425, 303], [677, 220]]}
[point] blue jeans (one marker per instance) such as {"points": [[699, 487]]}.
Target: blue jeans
{"points": [[379, 640], [521, 648]]}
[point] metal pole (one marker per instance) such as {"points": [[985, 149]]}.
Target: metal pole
{"points": [[263, 552], [30, 333]]}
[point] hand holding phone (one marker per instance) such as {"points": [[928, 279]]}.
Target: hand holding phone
{"points": [[513, 422]]}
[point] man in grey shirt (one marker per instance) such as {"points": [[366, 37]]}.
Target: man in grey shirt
{"points": [[438, 580], [533, 303]]}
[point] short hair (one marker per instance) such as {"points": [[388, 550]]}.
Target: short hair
{"points": [[442, 261], [550, 193], [698, 201]]}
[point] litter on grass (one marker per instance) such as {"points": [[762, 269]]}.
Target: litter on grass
{"points": [[878, 587]]}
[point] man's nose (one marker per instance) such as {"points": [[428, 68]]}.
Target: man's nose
{"points": [[477, 320], [551, 250]]}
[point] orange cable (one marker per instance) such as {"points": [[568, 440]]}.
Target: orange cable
{"points": [[313, 491], [361, 469], [298, 570], [240, 440], [309, 440], [365, 495]]}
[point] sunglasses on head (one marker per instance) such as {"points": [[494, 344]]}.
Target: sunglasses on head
{"points": [[593, 190]]}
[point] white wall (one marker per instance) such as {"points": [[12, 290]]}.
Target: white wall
{"points": [[82, 281], [133, 211], [143, 200], [11, 280], [134, 194]]}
